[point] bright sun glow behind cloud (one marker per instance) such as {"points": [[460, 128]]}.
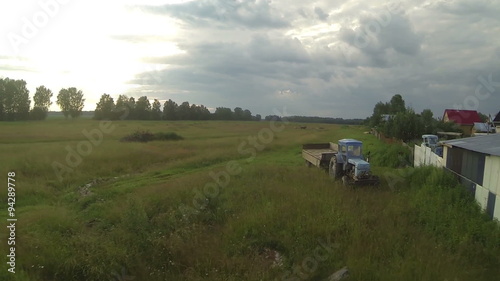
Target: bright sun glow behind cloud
{"points": [[96, 46]]}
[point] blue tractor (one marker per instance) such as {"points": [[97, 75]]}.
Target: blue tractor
{"points": [[349, 164], [432, 142]]}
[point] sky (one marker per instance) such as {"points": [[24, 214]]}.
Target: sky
{"points": [[324, 58]]}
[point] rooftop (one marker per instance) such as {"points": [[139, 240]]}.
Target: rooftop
{"points": [[483, 127], [489, 144], [350, 141], [462, 117], [497, 118]]}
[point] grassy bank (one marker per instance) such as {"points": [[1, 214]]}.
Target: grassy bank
{"points": [[176, 210]]}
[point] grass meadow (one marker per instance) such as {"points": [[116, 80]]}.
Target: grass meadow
{"points": [[230, 201]]}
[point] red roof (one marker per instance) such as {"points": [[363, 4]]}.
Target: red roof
{"points": [[463, 117]]}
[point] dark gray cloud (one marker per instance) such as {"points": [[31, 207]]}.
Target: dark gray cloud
{"points": [[472, 10], [320, 14], [331, 59], [224, 13], [380, 33], [266, 49]]}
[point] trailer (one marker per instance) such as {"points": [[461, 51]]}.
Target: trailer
{"points": [[319, 154]]}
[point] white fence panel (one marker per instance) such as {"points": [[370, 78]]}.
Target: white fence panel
{"points": [[423, 156], [482, 196], [496, 213]]}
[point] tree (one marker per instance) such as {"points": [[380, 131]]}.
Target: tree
{"points": [[407, 125], [238, 113], [71, 102], [131, 108], [379, 109], [397, 104], [447, 127], [14, 100], [143, 108], [184, 111], [204, 113], [156, 110], [272, 118], [387, 128], [42, 97], [428, 121], [223, 113], [194, 112], [170, 110], [200, 112], [63, 102], [121, 102], [122, 110], [484, 118], [105, 108], [42, 102], [247, 115]]}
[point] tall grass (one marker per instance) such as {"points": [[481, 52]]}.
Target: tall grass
{"points": [[139, 216]]}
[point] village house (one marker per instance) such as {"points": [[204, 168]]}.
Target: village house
{"points": [[465, 119], [496, 122]]}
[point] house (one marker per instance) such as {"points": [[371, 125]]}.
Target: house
{"points": [[464, 118], [387, 117], [476, 161], [496, 122], [480, 129]]}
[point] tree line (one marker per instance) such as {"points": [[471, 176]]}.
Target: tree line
{"points": [[15, 105], [394, 119], [129, 108], [325, 120], [15, 101]]}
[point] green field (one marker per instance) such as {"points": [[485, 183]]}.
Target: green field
{"points": [[231, 201]]}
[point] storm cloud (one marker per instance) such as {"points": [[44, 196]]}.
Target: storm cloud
{"points": [[333, 59]]}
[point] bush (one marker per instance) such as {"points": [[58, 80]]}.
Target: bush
{"points": [[145, 136], [38, 113], [449, 212], [393, 156], [167, 136]]}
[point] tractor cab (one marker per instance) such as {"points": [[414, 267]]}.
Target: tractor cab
{"points": [[350, 149], [431, 141]]}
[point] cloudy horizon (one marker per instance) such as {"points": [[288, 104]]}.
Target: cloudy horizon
{"points": [[323, 58]]}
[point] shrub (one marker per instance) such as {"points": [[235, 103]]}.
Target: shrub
{"points": [[167, 136], [145, 136], [449, 212], [393, 156]]}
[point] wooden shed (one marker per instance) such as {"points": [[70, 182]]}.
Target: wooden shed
{"points": [[476, 161]]}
